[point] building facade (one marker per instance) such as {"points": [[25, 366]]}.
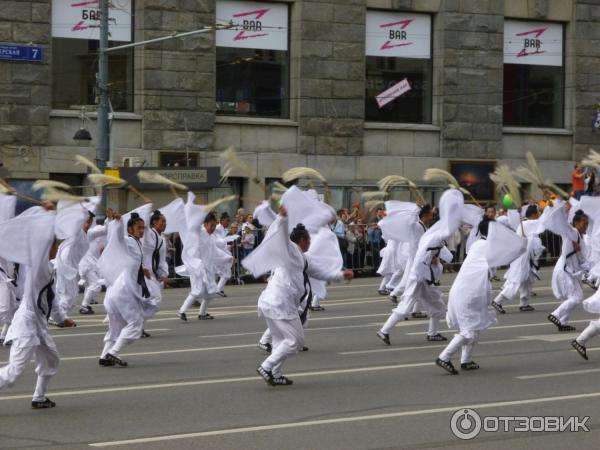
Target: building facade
{"points": [[357, 89]]}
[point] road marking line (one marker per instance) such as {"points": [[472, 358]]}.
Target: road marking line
{"points": [[100, 333], [421, 347], [502, 327], [556, 374], [255, 333], [338, 420], [221, 381]]}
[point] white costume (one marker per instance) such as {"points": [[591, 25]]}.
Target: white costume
{"points": [[121, 265], [202, 257], [88, 266], [70, 252], [571, 267], [469, 299], [424, 274], [523, 270], [8, 283], [287, 292], [27, 240]]}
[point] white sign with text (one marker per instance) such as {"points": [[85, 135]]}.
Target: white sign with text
{"points": [[398, 35], [257, 25], [80, 19], [535, 43]]}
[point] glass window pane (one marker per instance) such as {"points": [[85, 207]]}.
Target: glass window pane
{"points": [[252, 82], [413, 106], [74, 68], [533, 96]]}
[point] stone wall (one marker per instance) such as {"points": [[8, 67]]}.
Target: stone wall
{"points": [[330, 52], [177, 76], [24, 86]]}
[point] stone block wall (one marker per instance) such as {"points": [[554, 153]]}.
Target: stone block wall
{"points": [[178, 76], [24, 86]]}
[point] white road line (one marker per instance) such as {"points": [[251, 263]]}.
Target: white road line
{"points": [[421, 347], [220, 381], [161, 352], [502, 327], [100, 333], [556, 374], [256, 333], [338, 420]]}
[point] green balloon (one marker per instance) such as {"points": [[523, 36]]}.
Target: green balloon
{"points": [[507, 201]]}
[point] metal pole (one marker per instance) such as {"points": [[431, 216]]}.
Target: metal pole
{"points": [[103, 131]]}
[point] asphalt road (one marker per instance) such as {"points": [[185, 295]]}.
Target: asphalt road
{"points": [[193, 385]]}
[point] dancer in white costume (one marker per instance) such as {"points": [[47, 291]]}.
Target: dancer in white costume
{"points": [[28, 240], [201, 256], [71, 251], [469, 299], [220, 235], [122, 266], [88, 268], [572, 265], [411, 229], [288, 288], [8, 282], [522, 272], [426, 269]]}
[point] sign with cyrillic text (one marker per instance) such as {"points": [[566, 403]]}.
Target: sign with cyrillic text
{"points": [[535, 43], [392, 93], [256, 25], [398, 35], [80, 19]]}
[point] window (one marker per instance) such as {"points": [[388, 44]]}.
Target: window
{"points": [[533, 74], [252, 77], [74, 68], [178, 159], [75, 34], [399, 68]]}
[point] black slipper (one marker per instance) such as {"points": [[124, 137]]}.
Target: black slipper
{"points": [[447, 366]]}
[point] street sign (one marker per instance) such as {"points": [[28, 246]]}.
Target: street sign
{"points": [[10, 52]]}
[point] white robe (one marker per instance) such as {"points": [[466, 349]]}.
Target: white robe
{"points": [[8, 298], [469, 299]]}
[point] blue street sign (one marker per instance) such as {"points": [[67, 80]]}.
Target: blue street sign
{"points": [[10, 52]]}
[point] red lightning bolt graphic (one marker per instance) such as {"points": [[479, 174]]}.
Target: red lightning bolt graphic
{"points": [[79, 26], [538, 32], [258, 13], [387, 45], [404, 23], [92, 2]]}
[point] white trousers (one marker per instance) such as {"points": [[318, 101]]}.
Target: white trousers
{"points": [[429, 296], [563, 312], [93, 287], [46, 359], [395, 280], [593, 329], [121, 333], [384, 282], [465, 340], [287, 340]]}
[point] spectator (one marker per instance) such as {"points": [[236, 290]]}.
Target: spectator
{"points": [[361, 235], [590, 181], [339, 229], [490, 212], [375, 242], [577, 180], [351, 241], [248, 239]]}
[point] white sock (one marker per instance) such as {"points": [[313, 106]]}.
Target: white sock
{"points": [[4, 330], [222, 283], [433, 326], [452, 347], [391, 322], [204, 306], [384, 282], [316, 301], [41, 386], [120, 345], [499, 299], [589, 332], [188, 302], [107, 346]]}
